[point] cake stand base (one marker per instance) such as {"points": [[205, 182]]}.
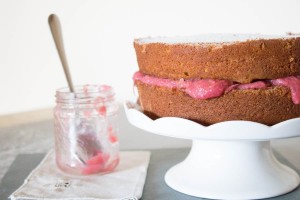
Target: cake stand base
{"points": [[232, 169]]}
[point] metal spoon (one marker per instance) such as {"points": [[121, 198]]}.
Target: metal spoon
{"points": [[56, 31], [58, 39]]}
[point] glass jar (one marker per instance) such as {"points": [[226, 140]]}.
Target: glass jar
{"points": [[86, 130]]}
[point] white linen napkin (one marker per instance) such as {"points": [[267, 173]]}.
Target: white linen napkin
{"points": [[47, 182]]}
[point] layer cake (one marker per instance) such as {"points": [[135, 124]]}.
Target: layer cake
{"points": [[214, 78]]}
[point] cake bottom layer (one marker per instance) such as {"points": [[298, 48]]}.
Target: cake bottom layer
{"points": [[268, 106]]}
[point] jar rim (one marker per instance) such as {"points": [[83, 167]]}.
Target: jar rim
{"points": [[88, 91]]}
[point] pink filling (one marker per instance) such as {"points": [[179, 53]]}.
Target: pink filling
{"points": [[210, 88], [292, 82]]}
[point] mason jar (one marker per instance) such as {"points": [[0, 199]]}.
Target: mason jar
{"points": [[86, 130]]}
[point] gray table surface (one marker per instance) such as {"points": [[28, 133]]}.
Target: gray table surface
{"points": [[35, 138], [155, 186]]}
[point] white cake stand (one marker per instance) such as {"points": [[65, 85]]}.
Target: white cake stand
{"points": [[228, 160]]}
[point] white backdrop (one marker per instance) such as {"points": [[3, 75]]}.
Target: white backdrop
{"points": [[98, 36]]}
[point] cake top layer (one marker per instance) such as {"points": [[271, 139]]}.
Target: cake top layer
{"points": [[212, 38]]}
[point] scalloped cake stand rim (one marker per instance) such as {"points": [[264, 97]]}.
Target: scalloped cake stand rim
{"points": [[229, 130]]}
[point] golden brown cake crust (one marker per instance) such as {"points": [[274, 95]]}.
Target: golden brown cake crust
{"points": [[268, 106], [237, 61]]}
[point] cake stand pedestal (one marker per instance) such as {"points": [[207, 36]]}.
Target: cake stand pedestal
{"points": [[228, 160]]}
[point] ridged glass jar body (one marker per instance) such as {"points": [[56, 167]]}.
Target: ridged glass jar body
{"points": [[86, 130]]}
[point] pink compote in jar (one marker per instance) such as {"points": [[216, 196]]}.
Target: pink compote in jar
{"points": [[86, 131]]}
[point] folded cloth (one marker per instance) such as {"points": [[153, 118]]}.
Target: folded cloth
{"points": [[47, 182]]}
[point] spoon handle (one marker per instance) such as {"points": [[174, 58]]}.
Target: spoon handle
{"points": [[58, 39]]}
